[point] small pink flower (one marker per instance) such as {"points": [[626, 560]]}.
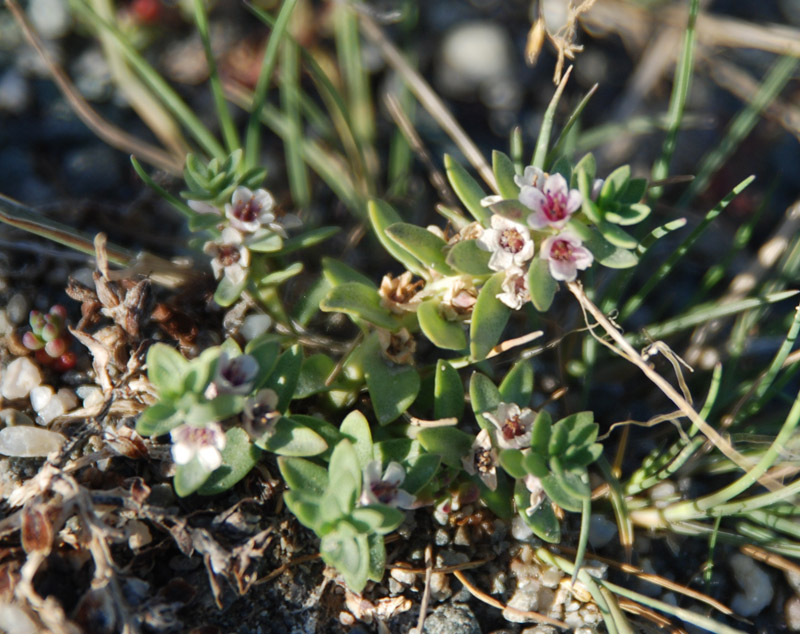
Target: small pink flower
{"points": [[233, 375], [260, 413], [534, 486], [248, 211], [552, 204], [515, 289], [384, 489], [231, 258], [512, 425], [204, 443], [531, 177], [482, 459], [509, 242], [567, 255]]}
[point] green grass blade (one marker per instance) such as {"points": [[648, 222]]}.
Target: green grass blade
{"points": [[226, 124], [290, 91], [634, 302], [543, 142], [677, 103], [583, 537], [740, 126], [156, 83], [253, 132], [707, 312], [558, 147]]}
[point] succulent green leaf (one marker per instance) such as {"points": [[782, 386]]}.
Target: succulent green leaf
{"points": [[201, 222], [543, 521], [564, 167], [423, 245], [304, 476], [555, 491], [536, 465], [306, 510], [467, 257], [344, 475], [489, 317], [329, 433], [238, 458], [308, 239], [484, 397], [268, 243], [633, 192], [276, 278], [540, 432], [227, 292], [589, 207], [350, 555], [337, 272], [499, 501], [541, 284], [360, 301], [467, 189], [504, 172], [189, 477], [448, 442], [616, 236], [512, 461], [166, 369], [158, 419], [448, 392], [265, 350], [291, 438], [511, 209], [517, 385], [284, 376], [584, 456], [355, 428], [575, 484], [614, 185], [420, 472], [588, 166], [313, 374], [377, 557], [395, 449], [392, 388], [559, 438], [382, 215], [379, 518], [628, 214], [448, 335]]}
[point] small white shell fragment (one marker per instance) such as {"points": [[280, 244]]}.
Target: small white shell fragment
{"points": [[20, 377], [23, 441], [41, 395], [755, 583]]}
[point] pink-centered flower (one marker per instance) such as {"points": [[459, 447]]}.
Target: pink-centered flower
{"points": [[566, 256], [231, 258], [233, 375], [509, 242], [249, 210], [553, 203], [531, 177], [515, 289], [204, 443], [482, 459], [385, 489], [260, 413], [512, 425]]}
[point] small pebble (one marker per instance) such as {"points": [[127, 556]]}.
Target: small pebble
{"points": [[14, 620], [15, 93], [50, 17], [551, 577], [403, 576], [49, 404], [20, 377], [462, 537], [791, 611], [441, 537], [452, 619], [17, 309], [6, 327], [755, 583], [10, 417], [520, 529], [440, 586], [473, 54], [91, 395], [24, 441]]}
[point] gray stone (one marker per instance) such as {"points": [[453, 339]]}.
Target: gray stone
{"points": [[23, 441], [17, 308], [452, 619], [50, 17], [15, 94]]}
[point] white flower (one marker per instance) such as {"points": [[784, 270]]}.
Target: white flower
{"points": [[509, 242], [232, 375], [384, 489], [566, 256], [515, 289], [482, 459], [260, 414], [204, 443], [513, 425], [552, 203], [230, 257], [248, 211], [534, 485]]}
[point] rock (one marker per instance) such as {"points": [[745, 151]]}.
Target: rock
{"points": [[601, 531], [792, 612], [50, 17], [452, 619], [49, 404], [254, 326], [24, 441], [15, 94], [19, 378], [10, 417], [474, 55], [755, 583], [17, 309], [14, 620]]}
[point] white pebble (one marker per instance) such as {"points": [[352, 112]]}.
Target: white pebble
{"points": [[520, 529], [50, 405], [51, 17], [91, 395], [754, 582], [474, 54], [41, 395], [403, 576], [17, 308], [551, 577], [14, 620], [20, 377], [791, 611], [22, 441]]}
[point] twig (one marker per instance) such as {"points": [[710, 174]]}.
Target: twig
{"points": [[110, 133], [627, 351], [429, 100], [426, 594], [482, 596]]}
